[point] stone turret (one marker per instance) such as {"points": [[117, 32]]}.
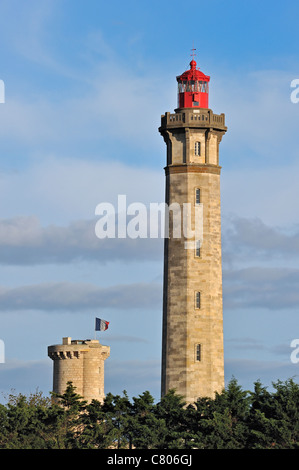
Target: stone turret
{"points": [[82, 363]]}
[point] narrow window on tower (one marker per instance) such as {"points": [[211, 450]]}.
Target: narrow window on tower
{"points": [[197, 149], [197, 299], [197, 248], [198, 352], [197, 196]]}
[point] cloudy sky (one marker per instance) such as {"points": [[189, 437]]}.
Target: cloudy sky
{"points": [[85, 86]]}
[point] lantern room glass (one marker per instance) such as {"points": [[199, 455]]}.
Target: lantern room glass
{"points": [[193, 86]]}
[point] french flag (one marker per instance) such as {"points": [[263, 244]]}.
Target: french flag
{"points": [[101, 325]]}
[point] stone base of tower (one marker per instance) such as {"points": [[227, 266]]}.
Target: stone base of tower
{"points": [[82, 363]]}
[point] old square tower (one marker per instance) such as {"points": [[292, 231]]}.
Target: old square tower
{"points": [[192, 339]]}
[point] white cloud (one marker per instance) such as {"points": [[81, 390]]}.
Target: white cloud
{"points": [[250, 240], [23, 241], [60, 190], [103, 111], [68, 296], [260, 287], [269, 193], [262, 121], [28, 34]]}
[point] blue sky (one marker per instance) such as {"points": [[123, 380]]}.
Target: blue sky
{"points": [[85, 86]]}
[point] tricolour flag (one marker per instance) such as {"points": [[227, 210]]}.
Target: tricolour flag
{"points": [[101, 325]]}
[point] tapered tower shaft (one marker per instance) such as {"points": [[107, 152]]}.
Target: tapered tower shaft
{"points": [[192, 339]]}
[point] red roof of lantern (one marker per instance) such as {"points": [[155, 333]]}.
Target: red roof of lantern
{"points": [[193, 74]]}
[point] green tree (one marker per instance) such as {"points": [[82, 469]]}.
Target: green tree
{"points": [[23, 423], [145, 427], [117, 410], [222, 420], [233, 419], [170, 411], [3, 426], [274, 418], [98, 427], [64, 417]]}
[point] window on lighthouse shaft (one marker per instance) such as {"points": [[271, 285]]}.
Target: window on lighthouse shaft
{"points": [[197, 149]]}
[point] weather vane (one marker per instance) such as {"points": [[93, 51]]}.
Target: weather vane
{"points": [[193, 54]]}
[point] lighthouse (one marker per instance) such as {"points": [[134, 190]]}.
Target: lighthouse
{"points": [[192, 336]]}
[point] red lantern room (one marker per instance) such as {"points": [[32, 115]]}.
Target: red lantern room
{"points": [[193, 88]]}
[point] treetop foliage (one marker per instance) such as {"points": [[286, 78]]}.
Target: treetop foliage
{"points": [[234, 419]]}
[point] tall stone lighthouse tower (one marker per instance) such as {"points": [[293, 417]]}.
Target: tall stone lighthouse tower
{"points": [[192, 341]]}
